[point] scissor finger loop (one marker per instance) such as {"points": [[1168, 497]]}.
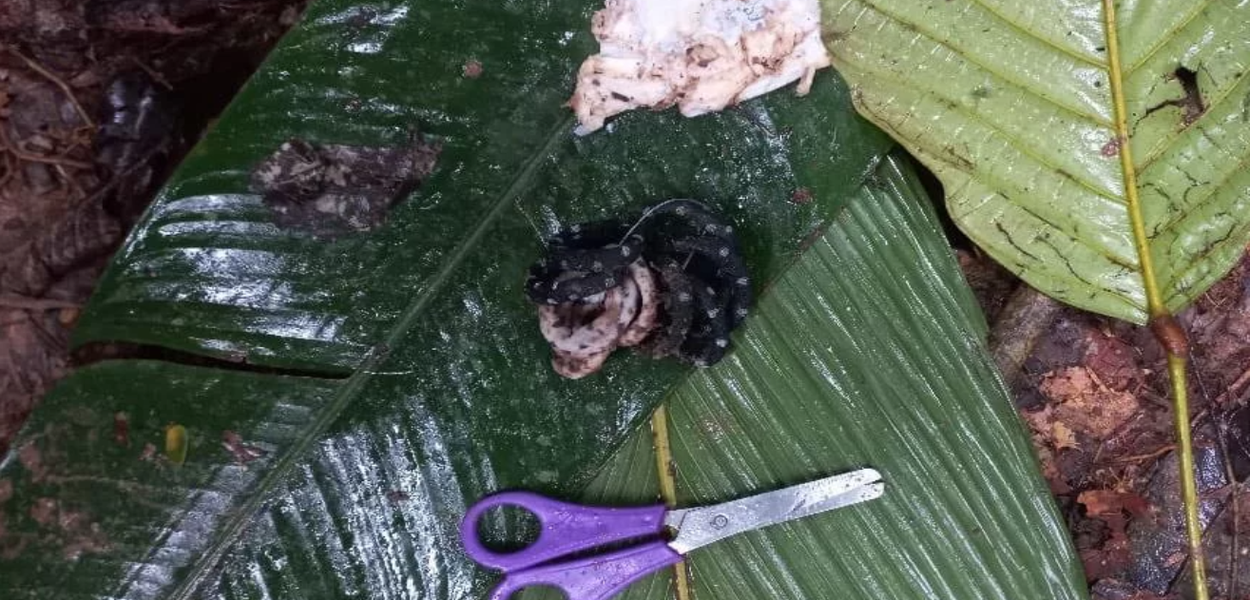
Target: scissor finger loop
{"points": [[566, 529]]}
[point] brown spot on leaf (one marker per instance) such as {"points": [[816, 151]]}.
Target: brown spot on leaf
{"points": [[243, 453], [331, 190], [801, 196], [44, 511], [397, 496], [1111, 148], [74, 530], [148, 453], [121, 429], [472, 69], [32, 459]]}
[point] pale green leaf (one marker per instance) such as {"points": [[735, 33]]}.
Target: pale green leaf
{"points": [[1010, 104]]}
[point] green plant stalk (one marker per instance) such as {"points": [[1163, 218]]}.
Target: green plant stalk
{"points": [[668, 488], [1169, 333], [1177, 366]]}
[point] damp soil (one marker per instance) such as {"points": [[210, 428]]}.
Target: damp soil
{"points": [[99, 99]]}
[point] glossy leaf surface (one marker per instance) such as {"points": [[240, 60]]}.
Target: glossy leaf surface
{"points": [[867, 352], [1011, 105], [425, 380]]}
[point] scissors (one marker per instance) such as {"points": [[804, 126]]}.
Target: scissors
{"points": [[567, 529]]}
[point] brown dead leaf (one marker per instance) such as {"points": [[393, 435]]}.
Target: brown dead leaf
{"points": [[1048, 431], [1113, 360], [1085, 404], [1105, 503], [1054, 478], [1063, 437]]}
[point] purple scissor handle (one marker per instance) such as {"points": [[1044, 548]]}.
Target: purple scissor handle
{"points": [[566, 529]]}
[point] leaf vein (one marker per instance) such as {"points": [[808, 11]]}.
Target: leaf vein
{"points": [[1206, 195], [960, 52], [1048, 42], [1013, 141], [1161, 147], [1162, 39]]}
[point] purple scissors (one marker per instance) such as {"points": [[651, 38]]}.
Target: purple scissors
{"points": [[571, 528]]}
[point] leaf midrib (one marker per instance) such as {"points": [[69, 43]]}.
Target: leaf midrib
{"points": [[364, 372]]}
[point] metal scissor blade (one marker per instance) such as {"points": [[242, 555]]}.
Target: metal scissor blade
{"points": [[697, 527]]}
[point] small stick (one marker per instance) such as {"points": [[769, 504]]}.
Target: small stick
{"points": [[51, 160], [50, 76], [157, 77], [1233, 387], [1230, 582], [1141, 457]]}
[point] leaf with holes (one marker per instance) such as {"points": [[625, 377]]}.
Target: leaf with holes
{"points": [[342, 397], [1011, 104]]}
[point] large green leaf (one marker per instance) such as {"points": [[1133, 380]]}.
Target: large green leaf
{"points": [[868, 352], [386, 377], [1011, 105]]}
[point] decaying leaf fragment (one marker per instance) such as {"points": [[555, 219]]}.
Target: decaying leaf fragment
{"points": [[700, 55], [330, 190]]}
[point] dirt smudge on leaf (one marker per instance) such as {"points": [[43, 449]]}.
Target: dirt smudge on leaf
{"points": [[121, 429], [331, 190], [242, 452], [73, 530], [32, 458]]}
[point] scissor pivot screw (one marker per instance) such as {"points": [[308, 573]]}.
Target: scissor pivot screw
{"points": [[720, 521]]}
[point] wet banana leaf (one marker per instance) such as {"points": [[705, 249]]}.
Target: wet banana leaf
{"points": [[1013, 106], [867, 352], [320, 410]]}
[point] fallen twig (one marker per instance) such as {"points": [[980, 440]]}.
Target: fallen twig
{"points": [[50, 76], [8, 146], [1141, 457], [1233, 388], [25, 303], [157, 77]]}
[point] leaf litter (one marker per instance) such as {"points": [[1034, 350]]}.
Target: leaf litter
{"points": [[98, 101], [331, 190], [1093, 392]]}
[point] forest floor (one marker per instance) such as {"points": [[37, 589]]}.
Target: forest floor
{"points": [[100, 99], [1094, 392]]}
